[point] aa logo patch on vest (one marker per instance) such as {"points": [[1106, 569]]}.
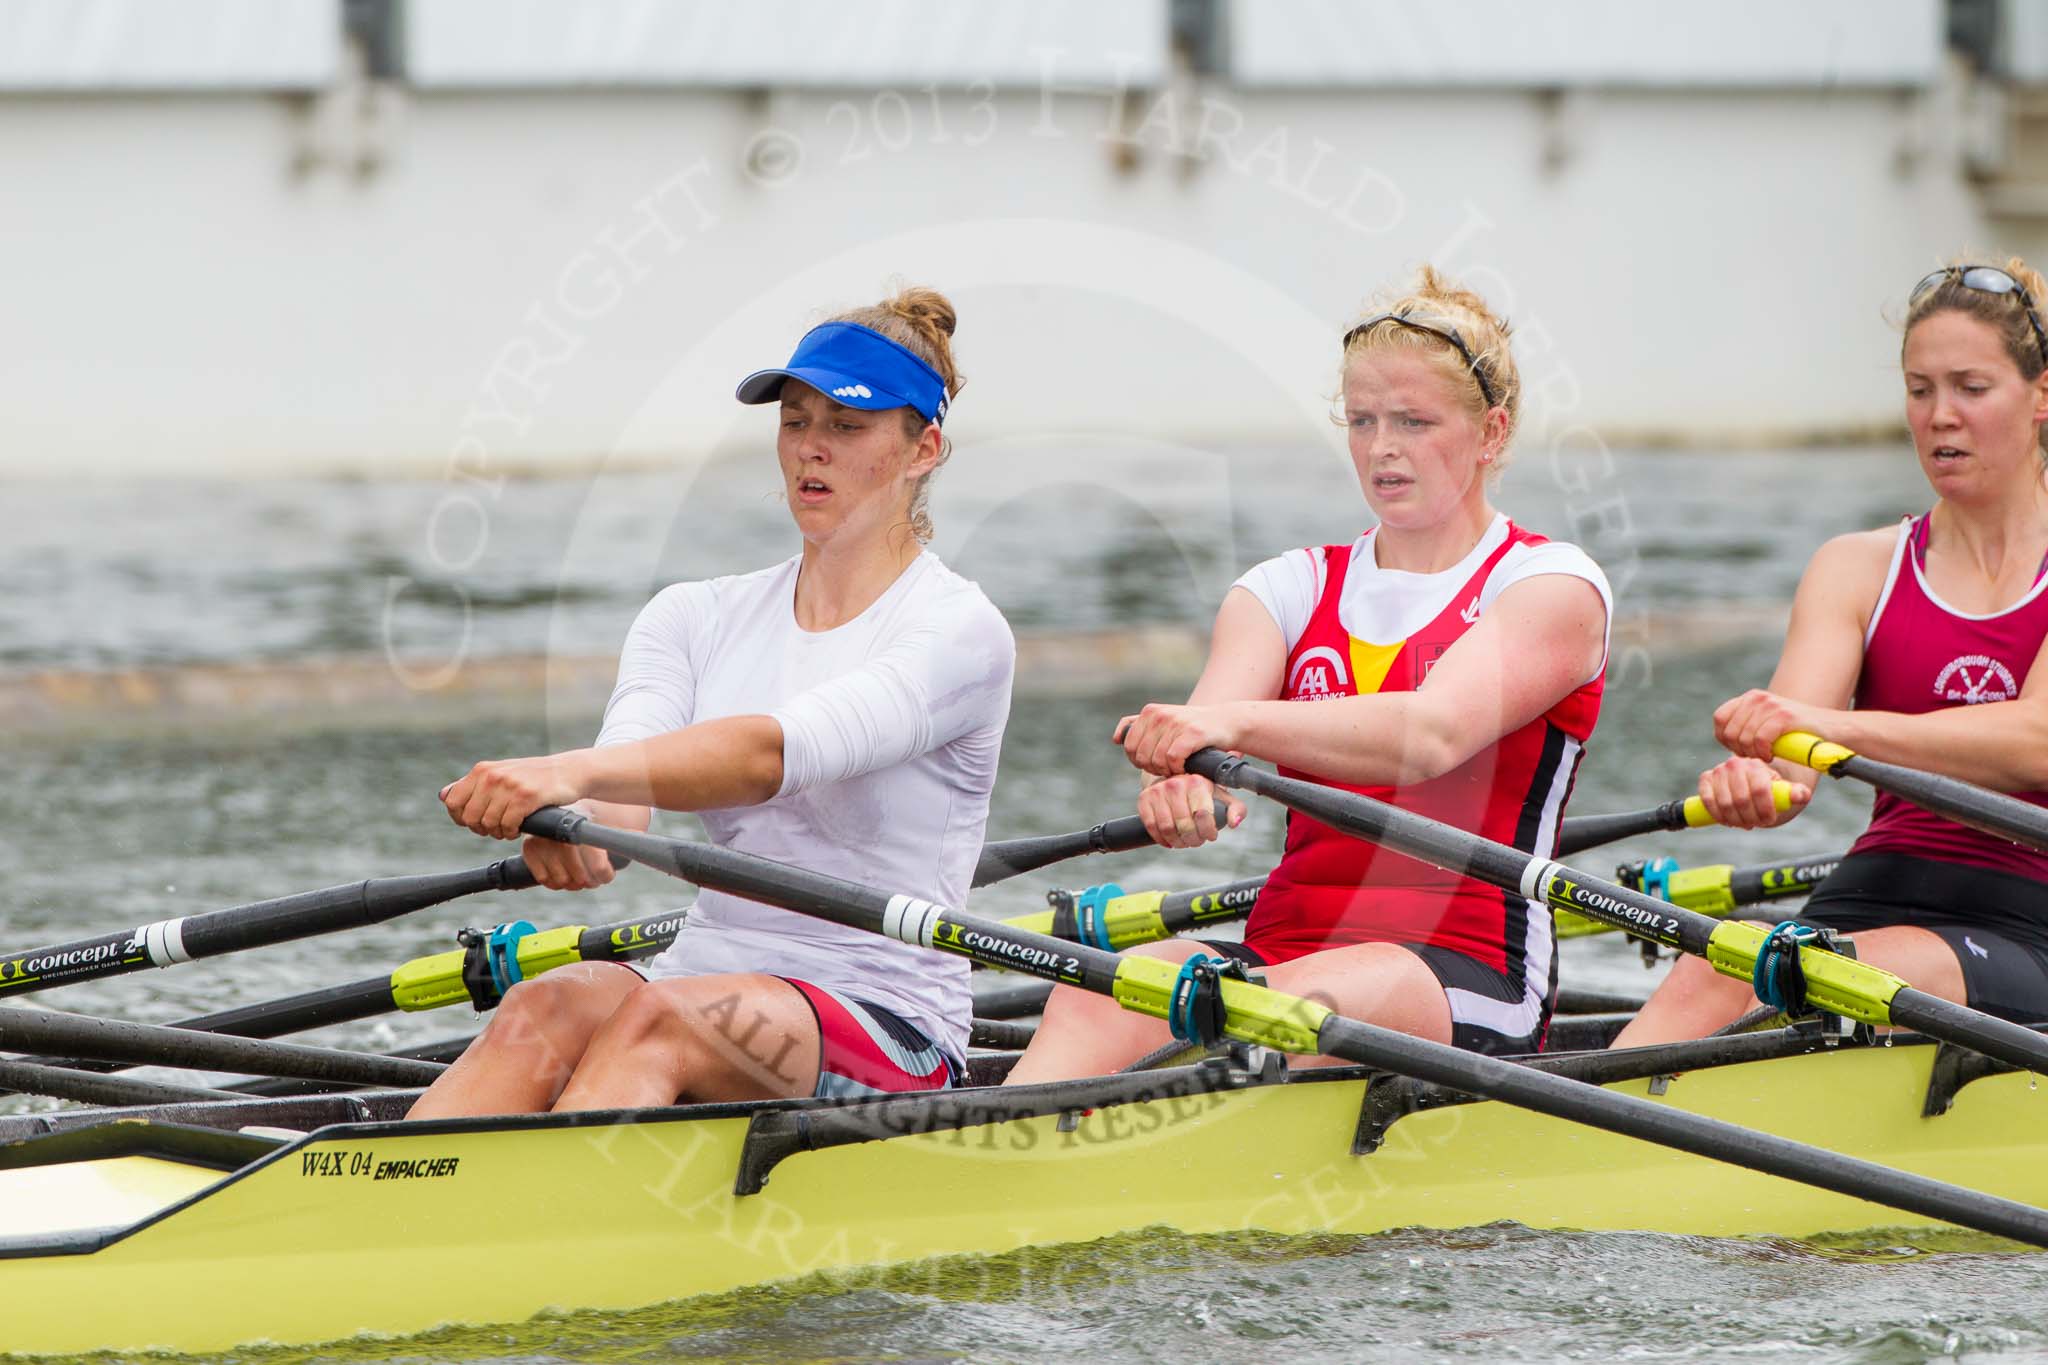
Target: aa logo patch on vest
{"points": [[1318, 674]]}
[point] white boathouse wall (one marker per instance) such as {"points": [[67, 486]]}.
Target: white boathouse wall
{"points": [[232, 241]]}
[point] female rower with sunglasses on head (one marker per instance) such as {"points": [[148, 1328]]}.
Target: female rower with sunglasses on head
{"points": [[842, 710], [1455, 664], [1916, 644]]}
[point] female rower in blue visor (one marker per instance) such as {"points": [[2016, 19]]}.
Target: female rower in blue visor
{"points": [[842, 709]]}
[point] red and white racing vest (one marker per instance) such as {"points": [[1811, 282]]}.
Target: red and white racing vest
{"points": [[1331, 890]]}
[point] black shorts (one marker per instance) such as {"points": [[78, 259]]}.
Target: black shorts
{"points": [[1996, 923], [1488, 989]]}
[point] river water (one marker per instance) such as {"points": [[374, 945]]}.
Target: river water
{"points": [[123, 814]]}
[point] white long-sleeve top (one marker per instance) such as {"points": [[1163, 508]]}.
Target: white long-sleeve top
{"points": [[891, 726]]}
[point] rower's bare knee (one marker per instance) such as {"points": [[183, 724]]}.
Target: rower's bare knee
{"points": [[1693, 1000], [1072, 1003], [544, 1002], [1695, 992], [719, 1037], [1695, 977], [532, 1006], [530, 1049], [1920, 956], [1381, 983], [1083, 1033], [645, 1022], [549, 1019]]}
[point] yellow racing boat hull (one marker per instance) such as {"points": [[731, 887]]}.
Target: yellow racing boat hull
{"points": [[394, 1228]]}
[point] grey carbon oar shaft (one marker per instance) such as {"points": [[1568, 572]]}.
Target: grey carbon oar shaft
{"points": [[187, 938], [1578, 833], [1006, 996], [374, 995], [1711, 1138], [1993, 813], [1564, 888], [1001, 995], [1013, 857], [1581, 832], [113, 1040], [921, 923], [86, 1087], [621, 941]]}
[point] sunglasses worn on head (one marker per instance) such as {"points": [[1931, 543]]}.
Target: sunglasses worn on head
{"points": [[1987, 279], [1436, 328]]}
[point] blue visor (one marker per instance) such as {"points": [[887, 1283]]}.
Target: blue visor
{"points": [[856, 366]]}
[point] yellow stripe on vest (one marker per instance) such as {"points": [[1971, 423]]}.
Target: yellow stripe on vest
{"points": [[1370, 662]]}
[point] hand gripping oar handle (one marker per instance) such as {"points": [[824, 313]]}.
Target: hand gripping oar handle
{"points": [[1014, 857], [1834, 983], [1581, 832], [1994, 813], [1255, 1014]]}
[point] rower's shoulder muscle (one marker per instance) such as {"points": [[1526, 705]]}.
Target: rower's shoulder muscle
{"points": [[967, 619], [954, 649], [1823, 652], [1847, 573], [686, 610], [1287, 586], [1872, 549]]}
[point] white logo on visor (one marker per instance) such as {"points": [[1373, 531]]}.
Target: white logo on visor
{"points": [[853, 391]]}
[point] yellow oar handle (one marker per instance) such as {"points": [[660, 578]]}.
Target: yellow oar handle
{"points": [[1797, 746], [1696, 810], [1980, 808]]}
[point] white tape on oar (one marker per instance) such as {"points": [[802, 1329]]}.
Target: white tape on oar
{"points": [[1535, 875], [164, 941], [910, 920]]}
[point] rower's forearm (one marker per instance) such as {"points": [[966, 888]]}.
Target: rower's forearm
{"points": [[1391, 740], [2001, 745], [1797, 773], [733, 761], [618, 815]]}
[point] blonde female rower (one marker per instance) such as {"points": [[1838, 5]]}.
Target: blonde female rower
{"points": [[842, 709], [1446, 660], [1916, 644]]}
